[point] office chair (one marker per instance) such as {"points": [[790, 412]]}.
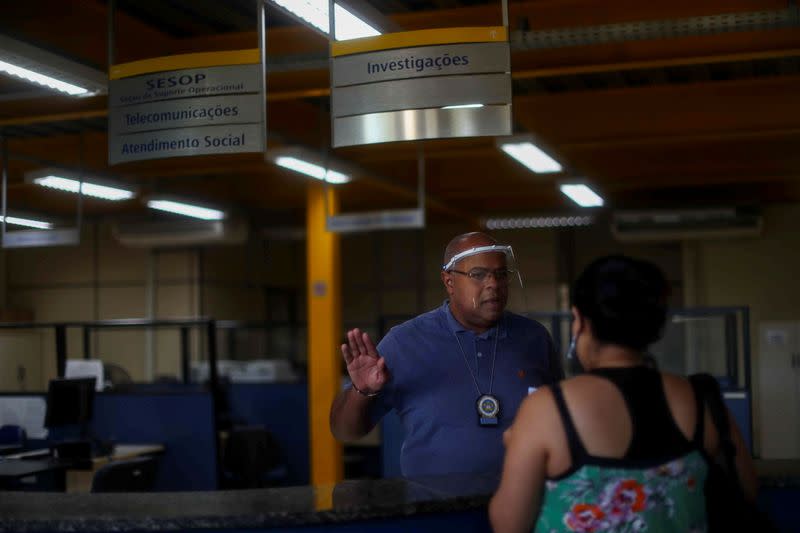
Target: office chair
{"points": [[252, 459], [116, 376], [133, 475]]}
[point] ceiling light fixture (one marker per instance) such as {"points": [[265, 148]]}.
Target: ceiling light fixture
{"points": [[582, 194], [538, 222], [531, 156], [310, 169], [462, 106], [189, 210], [35, 65], [27, 222], [104, 192], [41, 79], [315, 13]]}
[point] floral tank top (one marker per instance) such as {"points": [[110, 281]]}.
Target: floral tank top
{"points": [[643, 491]]}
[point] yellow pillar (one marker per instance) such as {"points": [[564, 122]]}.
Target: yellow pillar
{"points": [[324, 333]]}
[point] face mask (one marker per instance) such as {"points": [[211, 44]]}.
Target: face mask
{"points": [[574, 364]]}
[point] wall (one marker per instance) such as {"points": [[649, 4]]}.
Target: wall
{"points": [[591, 242], [99, 279], [758, 272]]}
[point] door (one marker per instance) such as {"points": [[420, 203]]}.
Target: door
{"points": [[779, 360]]}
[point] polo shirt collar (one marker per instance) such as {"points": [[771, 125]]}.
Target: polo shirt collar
{"points": [[456, 327]]}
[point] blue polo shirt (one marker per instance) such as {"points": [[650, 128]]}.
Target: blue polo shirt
{"points": [[435, 396]]}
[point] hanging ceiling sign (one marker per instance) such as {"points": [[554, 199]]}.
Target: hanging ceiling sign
{"points": [[376, 220], [427, 84], [192, 104]]}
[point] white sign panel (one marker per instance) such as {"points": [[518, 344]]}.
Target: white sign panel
{"points": [[377, 220], [196, 111], [186, 141], [416, 85]]}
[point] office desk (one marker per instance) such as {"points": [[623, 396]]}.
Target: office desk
{"points": [[79, 474], [12, 471], [6, 449], [79, 479]]}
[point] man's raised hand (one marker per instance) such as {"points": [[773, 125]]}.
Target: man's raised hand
{"points": [[366, 367]]}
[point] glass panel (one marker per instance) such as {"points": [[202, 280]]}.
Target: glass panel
{"points": [[693, 344]]}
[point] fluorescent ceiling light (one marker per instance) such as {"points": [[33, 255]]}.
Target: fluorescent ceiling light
{"points": [[189, 210], [28, 223], [462, 106], [538, 222], [42, 67], [315, 12], [310, 169], [582, 195], [531, 156], [103, 192], [41, 79]]}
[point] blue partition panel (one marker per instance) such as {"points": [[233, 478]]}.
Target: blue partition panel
{"points": [[161, 388], [183, 422], [283, 409], [739, 405], [782, 504]]}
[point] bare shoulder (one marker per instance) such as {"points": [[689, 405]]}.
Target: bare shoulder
{"points": [[537, 401], [536, 416]]}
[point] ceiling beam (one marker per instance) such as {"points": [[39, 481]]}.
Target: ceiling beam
{"points": [[660, 111], [550, 14], [652, 64]]}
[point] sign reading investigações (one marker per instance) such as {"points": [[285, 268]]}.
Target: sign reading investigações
{"points": [[427, 84]]}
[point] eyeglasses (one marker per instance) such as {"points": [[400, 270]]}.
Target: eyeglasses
{"points": [[481, 274]]}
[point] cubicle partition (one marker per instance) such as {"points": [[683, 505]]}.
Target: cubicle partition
{"points": [[282, 408], [185, 419], [183, 422]]}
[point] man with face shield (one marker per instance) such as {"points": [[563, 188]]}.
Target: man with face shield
{"points": [[455, 375]]}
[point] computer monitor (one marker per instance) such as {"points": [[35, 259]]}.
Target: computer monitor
{"points": [[70, 402]]}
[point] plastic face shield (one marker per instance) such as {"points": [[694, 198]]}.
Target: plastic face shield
{"points": [[516, 298], [507, 250]]}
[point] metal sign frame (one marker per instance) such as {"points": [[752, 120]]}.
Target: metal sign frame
{"points": [[409, 86], [387, 219], [179, 132]]}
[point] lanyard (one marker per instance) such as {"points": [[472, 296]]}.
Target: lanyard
{"points": [[469, 368]]}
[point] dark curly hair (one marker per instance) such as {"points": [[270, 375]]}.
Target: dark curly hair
{"points": [[624, 298]]}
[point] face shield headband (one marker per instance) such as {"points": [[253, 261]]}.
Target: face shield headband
{"points": [[497, 248]]}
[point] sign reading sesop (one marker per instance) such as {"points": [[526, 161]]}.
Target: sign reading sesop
{"points": [[427, 84], [157, 110]]}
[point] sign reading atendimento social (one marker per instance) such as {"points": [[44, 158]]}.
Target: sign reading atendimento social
{"points": [[193, 104], [426, 84]]}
